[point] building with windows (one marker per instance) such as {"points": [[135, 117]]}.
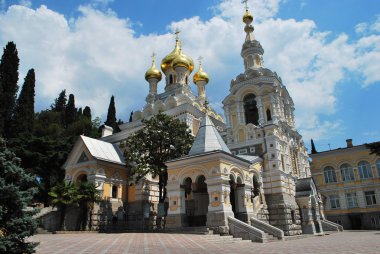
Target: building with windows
{"points": [[252, 167], [349, 180]]}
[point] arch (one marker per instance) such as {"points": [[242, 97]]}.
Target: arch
{"points": [[347, 172], [170, 79], [201, 183], [238, 180], [187, 185], [114, 191], [256, 185], [378, 167], [269, 115], [250, 109], [365, 170], [329, 174], [81, 178], [250, 62]]}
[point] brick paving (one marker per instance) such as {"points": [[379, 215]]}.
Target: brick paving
{"points": [[347, 242]]}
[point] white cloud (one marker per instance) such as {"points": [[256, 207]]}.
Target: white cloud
{"points": [[26, 3], [98, 54]]}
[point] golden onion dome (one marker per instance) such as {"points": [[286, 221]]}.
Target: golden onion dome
{"points": [[167, 61], [247, 18], [201, 75], [183, 61], [153, 72]]}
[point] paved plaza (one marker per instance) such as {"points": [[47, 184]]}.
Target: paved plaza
{"points": [[347, 242]]}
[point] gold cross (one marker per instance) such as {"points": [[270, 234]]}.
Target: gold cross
{"points": [[246, 3], [200, 60], [177, 32]]}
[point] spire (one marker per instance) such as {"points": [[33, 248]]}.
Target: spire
{"points": [[208, 138], [247, 19]]}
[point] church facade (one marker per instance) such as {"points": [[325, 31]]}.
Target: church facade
{"points": [[258, 168]]}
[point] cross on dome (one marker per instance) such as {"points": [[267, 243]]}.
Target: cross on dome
{"points": [[177, 32], [246, 3], [200, 58]]}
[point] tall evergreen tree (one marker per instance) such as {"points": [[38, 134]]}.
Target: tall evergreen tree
{"points": [[313, 150], [16, 223], [71, 111], [8, 83], [87, 112], [111, 116], [59, 106], [80, 111], [130, 116], [24, 112]]}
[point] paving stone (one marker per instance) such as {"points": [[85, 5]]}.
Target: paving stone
{"points": [[366, 242]]}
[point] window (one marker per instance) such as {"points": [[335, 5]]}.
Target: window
{"points": [[364, 170], [378, 167], [252, 149], [250, 109], [330, 176], [242, 151], [114, 191], [269, 115], [334, 202], [351, 200], [347, 173], [370, 197]]}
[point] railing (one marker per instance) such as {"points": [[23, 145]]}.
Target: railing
{"points": [[267, 228], [245, 231], [331, 226]]}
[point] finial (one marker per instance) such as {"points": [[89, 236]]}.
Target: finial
{"points": [[153, 58], [177, 32], [205, 104], [200, 58], [246, 4]]}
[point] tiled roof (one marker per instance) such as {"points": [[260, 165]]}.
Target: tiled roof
{"points": [[208, 139]]}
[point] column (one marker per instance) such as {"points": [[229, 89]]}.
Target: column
{"points": [[274, 109], [260, 109]]}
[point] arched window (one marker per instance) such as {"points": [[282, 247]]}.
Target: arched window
{"points": [[186, 79], [378, 167], [170, 79], [347, 173], [250, 109], [269, 115], [114, 191], [364, 170], [329, 173]]}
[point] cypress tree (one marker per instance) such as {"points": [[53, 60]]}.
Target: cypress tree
{"points": [[87, 112], [59, 106], [71, 111], [313, 150], [16, 223], [130, 116], [111, 116], [24, 111], [80, 111], [8, 83]]}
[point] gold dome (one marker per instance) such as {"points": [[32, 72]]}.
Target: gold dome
{"points": [[247, 18], [183, 61], [167, 61], [177, 57], [153, 72], [201, 75]]}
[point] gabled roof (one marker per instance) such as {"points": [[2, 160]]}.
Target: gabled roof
{"points": [[103, 150], [208, 139]]}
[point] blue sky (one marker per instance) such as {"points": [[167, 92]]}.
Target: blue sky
{"points": [[327, 53]]}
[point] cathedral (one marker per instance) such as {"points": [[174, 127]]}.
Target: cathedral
{"points": [[246, 174]]}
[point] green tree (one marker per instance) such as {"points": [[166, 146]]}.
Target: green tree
{"points": [[59, 106], [87, 112], [161, 139], [71, 111], [16, 222], [374, 148], [8, 83], [111, 116], [64, 195], [23, 118], [89, 195]]}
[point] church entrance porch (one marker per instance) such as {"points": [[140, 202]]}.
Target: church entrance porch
{"points": [[196, 201]]}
